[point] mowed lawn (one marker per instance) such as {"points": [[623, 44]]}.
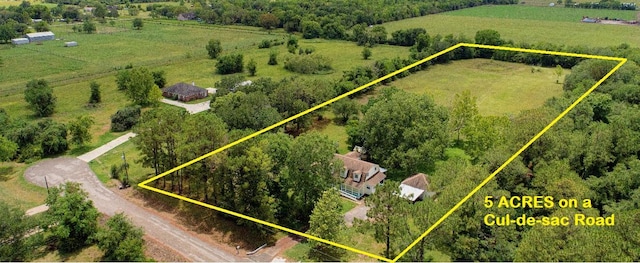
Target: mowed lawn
{"points": [[501, 88], [570, 33], [542, 13]]}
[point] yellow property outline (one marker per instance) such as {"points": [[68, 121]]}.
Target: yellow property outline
{"points": [[453, 209]]}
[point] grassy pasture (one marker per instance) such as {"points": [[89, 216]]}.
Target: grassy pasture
{"points": [[15, 190], [102, 165], [114, 47], [560, 14], [523, 30], [179, 52], [501, 88]]}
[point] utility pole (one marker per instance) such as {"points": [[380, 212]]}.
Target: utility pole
{"points": [[126, 172], [46, 183]]}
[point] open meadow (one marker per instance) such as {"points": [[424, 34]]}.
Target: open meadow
{"points": [[521, 24], [176, 48], [501, 88]]}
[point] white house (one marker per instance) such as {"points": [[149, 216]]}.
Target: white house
{"points": [[358, 177]]}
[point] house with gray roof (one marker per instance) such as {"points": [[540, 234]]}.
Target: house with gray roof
{"points": [[184, 92]]}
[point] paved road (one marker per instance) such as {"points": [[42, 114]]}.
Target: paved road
{"points": [[65, 169], [87, 157], [191, 108]]}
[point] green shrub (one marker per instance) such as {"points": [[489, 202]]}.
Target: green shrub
{"points": [[125, 118], [230, 64], [307, 64]]}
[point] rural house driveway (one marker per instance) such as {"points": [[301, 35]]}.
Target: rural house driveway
{"points": [[63, 169], [191, 108], [359, 212], [87, 157]]}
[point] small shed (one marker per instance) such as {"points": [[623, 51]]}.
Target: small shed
{"points": [[184, 92], [19, 41], [70, 44], [415, 188], [41, 36]]}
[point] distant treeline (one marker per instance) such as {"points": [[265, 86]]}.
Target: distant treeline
{"points": [[293, 15], [603, 4]]}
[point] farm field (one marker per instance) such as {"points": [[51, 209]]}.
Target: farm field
{"points": [[164, 45], [501, 88], [524, 30], [181, 60], [542, 13]]}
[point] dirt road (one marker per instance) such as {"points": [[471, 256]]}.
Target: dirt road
{"points": [[63, 169]]}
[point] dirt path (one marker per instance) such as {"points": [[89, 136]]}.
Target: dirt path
{"points": [[60, 170]]}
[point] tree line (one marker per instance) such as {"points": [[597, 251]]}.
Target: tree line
{"points": [[324, 18], [274, 177]]}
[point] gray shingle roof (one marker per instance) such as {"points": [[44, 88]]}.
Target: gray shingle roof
{"points": [[183, 89]]}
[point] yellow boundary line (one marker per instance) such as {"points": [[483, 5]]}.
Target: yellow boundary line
{"points": [[437, 223]]}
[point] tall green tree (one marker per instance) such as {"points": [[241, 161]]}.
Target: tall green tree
{"points": [[327, 222], [159, 78], [482, 133], [388, 213], [141, 88], [40, 97], [214, 48], [403, 132], [269, 21], [73, 219], [250, 173], [8, 149], [345, 109], [158, 131], [100, 11], [137, 23], [14, 229], [251, 67], [88, 26], [199, 135], [79, 129], [229, 64], [463, 112], [309, 172], [120, 240], [95, 93], [241, 111]]}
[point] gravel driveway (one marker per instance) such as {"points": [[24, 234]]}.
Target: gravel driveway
{"points": [[63, 169]]}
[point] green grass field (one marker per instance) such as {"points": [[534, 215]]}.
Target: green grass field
{"points": [[552, 30], [102, 165], [560, 14], [15, 190], [501, 88]]}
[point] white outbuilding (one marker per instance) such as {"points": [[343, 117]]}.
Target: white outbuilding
{"points": [[41, 36], [19, 41]]}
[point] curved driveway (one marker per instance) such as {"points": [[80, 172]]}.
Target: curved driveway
{"points": [[63, 169]]}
